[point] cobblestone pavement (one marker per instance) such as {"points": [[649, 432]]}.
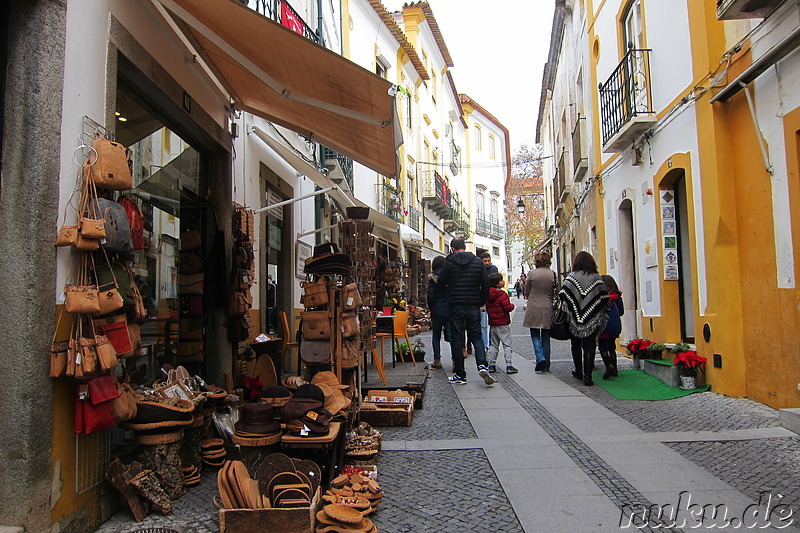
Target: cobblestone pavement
{"points": [[448, 491]]}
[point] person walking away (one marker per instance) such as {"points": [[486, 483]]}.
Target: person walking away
{"points": [[540, 286], [518, 288], [585, 296], [607, 342], [499, 307], [466, 282], [440, 312], [490, 269]]}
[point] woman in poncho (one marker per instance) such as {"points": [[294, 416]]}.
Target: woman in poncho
{"points": [[585, 298]]}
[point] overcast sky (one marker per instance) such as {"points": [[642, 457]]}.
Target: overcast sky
{"points": [[499, 49]]}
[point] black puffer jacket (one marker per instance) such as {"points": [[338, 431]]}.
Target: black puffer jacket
{"points": [[437, 296], [465, 279]]}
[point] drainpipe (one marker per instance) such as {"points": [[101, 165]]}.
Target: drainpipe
{"points": [[320, 35]]}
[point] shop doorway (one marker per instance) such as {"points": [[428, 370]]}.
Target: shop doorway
{"points": [[627, 269], [685, 291]]}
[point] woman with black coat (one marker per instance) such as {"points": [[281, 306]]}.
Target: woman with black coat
{"points": [[440, 311]]}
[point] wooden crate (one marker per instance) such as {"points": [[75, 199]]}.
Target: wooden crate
{"points": [[387, 414], [300, 520]]}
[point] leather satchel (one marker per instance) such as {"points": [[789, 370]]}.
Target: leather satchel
{"points": [[241, 302], [110, 298], [106, 354], [59, 354], [112, 170], [86, 244], [82, 299], [315, 293], [350, 325], [315, 352], [352, 297], [350, 353], [87, 359], [124, 407], [115, 328], [559, 324], [316, 325], [93, 228]]}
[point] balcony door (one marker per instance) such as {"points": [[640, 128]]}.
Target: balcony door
{"points": [[635, 66]]}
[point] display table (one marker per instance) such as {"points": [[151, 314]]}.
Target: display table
{"points": [[328, 448]]}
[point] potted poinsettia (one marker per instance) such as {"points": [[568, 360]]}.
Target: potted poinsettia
{"points": [[689, 363], [655, 350], [637, 348]]}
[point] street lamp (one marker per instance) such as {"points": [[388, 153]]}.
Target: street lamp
{"points": [[520, 207]]}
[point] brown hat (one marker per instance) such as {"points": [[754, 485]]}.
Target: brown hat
{"points": [[327, 378], [334, 399], [258, 418]]}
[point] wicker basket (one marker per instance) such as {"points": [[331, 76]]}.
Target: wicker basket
{"points": [[148, 412]]}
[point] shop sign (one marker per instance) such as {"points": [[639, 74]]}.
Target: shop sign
{"points": [[303, 252]]}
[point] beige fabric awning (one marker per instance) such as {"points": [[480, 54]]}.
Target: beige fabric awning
{"points": [[280, 75]]}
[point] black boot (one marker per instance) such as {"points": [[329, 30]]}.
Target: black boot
{"points": [[588, 364], [612, 357], [607, 361]]}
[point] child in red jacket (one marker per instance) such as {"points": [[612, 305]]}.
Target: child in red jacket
{"points": [[499, 307]]}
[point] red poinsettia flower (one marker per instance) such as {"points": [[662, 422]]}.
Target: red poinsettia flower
{"points": [[253, 387], [689, 362], [638, 347]]}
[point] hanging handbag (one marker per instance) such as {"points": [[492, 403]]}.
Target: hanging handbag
{"points": [[135, 221], [239, 329], [191, 305], [241, 302], [315, 352], [67, 235], [243, 279], [350, 353], [87, 359], [59, 354], [316, 325], [350, 325], [559, 324], [73, 353], [190, 263], [91, 417], [124, 406], [118, 230], [352, 297], [115, 328], [106, 354], [82, 299], [102, 389], [93, 228], [135, 334], [110, 298], [112, 169], [86, 244], [315, 292]]}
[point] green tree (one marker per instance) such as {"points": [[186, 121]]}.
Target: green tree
{"points": [[526, 230]]}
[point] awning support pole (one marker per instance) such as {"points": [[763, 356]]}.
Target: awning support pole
{"points": [[293, 200]]}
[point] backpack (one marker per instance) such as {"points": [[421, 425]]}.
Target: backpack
{"points": [[614, 325], [135, 221]]}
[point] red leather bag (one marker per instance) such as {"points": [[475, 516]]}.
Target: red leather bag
{"points": [[116, 329], [91, 417], [135, 220]]}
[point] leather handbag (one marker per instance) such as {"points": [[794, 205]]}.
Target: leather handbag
{"points": [[315, 352], [135, 221], [243, 279], [115, 328], [67, 235], [135, 334], [559, 324], [190, 263], [116, 276], [350, 353], [106, 354], [112, 169], [59, 354], [93, 228], [350, 325], [191, 305], [87, 358], [118, 230], [72, 357], [86, 244], [102, 389], [91, 417], [316, 325], [82, 299], [239, 329], [315, 293], [110, 298], [241, 302], [124, 406], [352, 297]]}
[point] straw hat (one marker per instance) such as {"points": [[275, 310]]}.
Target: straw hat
{"points": [[327, 378], [334, 399]]}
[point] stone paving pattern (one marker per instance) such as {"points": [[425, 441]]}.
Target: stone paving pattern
{"points": [[448, 491]]}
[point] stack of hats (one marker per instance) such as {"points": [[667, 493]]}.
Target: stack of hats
{"points": [[337, 517], [213, 452], [335, 401], [256, 426], [276, 396], [191, 475], [305, 413], [356, 491], [292, 382]]}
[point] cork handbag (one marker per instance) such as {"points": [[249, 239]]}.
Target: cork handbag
{"points": [[315, 293], [316, 325], [112, 168]]}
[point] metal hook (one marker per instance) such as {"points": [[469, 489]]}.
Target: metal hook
{"points": [[91, 149]]}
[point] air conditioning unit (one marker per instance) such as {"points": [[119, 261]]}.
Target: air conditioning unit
{"points": [[745, 9]]}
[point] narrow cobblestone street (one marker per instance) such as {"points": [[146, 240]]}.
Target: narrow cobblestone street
{"points": [[539, 452]]}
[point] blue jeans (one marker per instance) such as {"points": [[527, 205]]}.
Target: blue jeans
{"points": [[439, 324], [541, 346], [466, 319], [485, 328]]}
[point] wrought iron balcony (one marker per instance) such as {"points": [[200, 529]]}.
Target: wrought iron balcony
{"points": [[482, 225], [560, 189], [282, 13], [496, 231], [436, 194], [339, 167], [390, 202], [626, 102]]}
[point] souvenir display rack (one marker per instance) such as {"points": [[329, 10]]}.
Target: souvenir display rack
{"points": [[357, 241]]}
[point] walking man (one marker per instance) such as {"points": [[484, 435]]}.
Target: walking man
{"points": [[466, 281], [490, 269]]}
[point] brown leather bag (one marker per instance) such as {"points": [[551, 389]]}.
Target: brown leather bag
{"points": [[315, 352], [59, 353], [85, 244], [87, 363], [352, 298], [112, 168], [350, 325], [315, 293], [351, 352], [82, 299], [106, 355], [316, 325], [93, 228], [125, 405], [67, 235], [110, 298]]}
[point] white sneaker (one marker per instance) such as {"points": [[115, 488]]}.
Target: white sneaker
{"points": [[487, 377]]}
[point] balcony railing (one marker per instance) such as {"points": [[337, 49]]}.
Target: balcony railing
{"points": [[483, 226], [496, 230], [625, 99], [282, 13], [390, 202], [436, 194], [579, 157], [331, 158]]}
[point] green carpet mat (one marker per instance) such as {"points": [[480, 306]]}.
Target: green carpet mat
{"points": [[636, 385]]}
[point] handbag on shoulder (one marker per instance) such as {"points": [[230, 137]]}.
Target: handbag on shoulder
{"points": [[559, 324]]}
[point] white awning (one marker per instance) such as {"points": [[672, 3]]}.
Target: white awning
{"points": [[410, 235]]}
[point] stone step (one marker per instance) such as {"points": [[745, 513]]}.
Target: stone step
{"points": [[790, 419]]}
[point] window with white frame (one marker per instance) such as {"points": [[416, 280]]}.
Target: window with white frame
{"points": [[480, 205], [477, 137], [493, 213], [491, 146]]}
